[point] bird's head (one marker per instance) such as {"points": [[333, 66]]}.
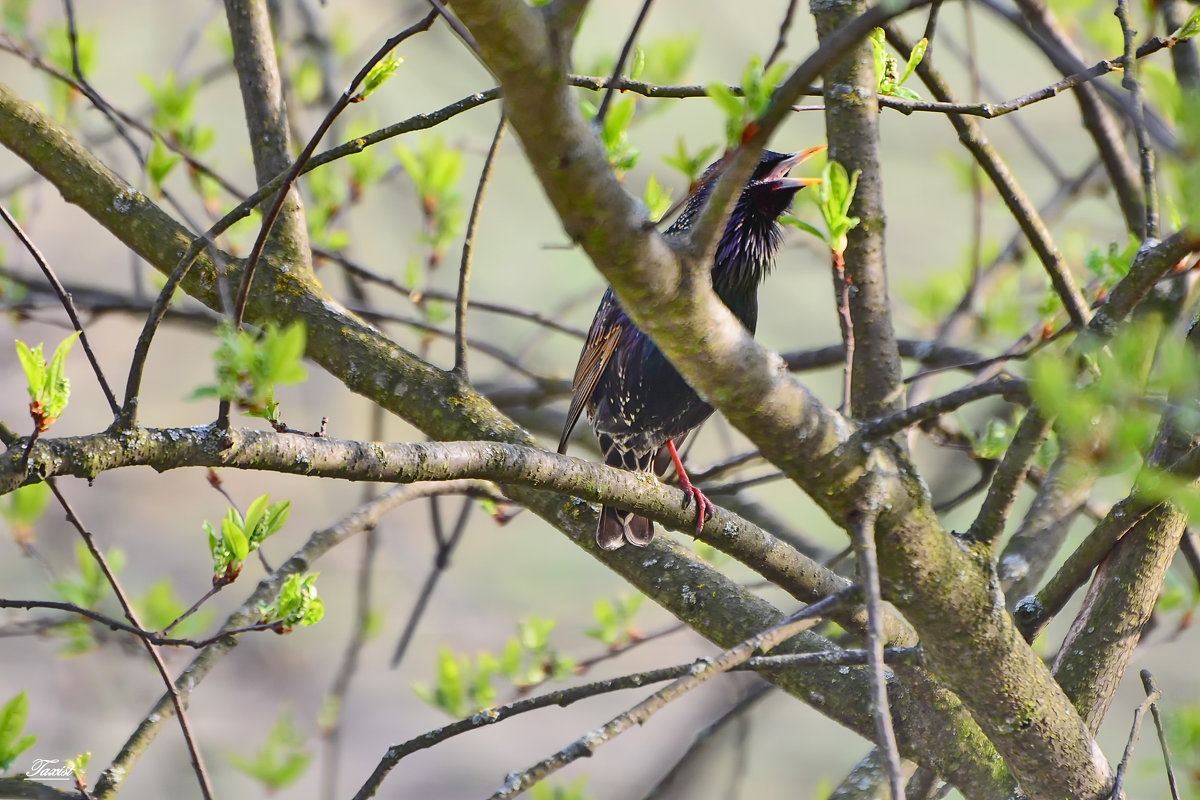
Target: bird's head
{"points": [[770, 189], [752, 236], [766, 195]]}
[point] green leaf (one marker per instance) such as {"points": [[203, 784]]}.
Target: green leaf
{"points": [[379, 73], [249, 367], [16, 16], [1187, 176], [638, 64], [297, 603], [13, 740], [277, 517], [994, 441], [730, 104], [160, 606], [656, 198], [435, 170], [281, 760], [235, 538], [25, 506], [254, 513], [879, 54], [914, 59], [510, 660], [78, 766], [667, 59], [834, 196], [160, 162], [606, 629], [58, 53], [1189, 28], [534, 633], [905, 93], [451, 693], [690, 164], [788, 219]]}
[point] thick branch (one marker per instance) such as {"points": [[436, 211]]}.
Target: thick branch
{"points": [[266, 120], [926, 572], [852, 126], [943, 582]]}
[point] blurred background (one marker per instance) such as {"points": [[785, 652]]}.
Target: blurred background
{"points": [[500, 574]]}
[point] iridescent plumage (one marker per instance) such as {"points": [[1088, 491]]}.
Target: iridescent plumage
{"points": [[637, 402]]}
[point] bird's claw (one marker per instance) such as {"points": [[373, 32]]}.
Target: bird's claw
{"points": [[704, 506]]}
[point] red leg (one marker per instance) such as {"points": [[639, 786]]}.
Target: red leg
{"points": [[704, 506]]}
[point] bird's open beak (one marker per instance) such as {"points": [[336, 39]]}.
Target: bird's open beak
{"points": [[779, 175]]}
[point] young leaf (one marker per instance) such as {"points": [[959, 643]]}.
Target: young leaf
{"points": [[160, 162], [24, 507], [13, 740], [914, 60], [1189, 28], [657, 199], [47, 383], [834, 196], [377, 75], [690, 164], [78, 766], [281, 760], [297, 603], [666, 60], [637, 64]]}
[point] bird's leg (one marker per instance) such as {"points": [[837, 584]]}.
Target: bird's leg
{"points": [[704, 506]]}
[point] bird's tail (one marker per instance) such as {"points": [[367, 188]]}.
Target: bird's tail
{"points": [[616, 527]]}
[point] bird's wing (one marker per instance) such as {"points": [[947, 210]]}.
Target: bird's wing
{"points": [[598, 350]]}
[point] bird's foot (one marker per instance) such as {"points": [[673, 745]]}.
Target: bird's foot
{"points": [[704, 506]]}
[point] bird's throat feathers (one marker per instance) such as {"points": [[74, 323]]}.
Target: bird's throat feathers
{"points": [[745, 254]]}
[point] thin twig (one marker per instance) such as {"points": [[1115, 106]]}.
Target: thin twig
{"points": [[693, 675], [841, 285], [418, 295], [459, 29], [344, 100], [1034, 613], [1130, 82], [1152, 696], [216, 587], [862, 523], [626, 49], [931, 27], [331, 730], [784, 28], [1011, 389], [319, 543], [696, 750], [441, 562], [1151, 687], [972, 137], [117, 625], [86, 88], [180, 711], [565, 697], [1008, 478], [584, 666], [972, 59], [468, 250], [68, 304]]}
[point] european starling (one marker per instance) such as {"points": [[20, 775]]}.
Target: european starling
{"points": [[637, 403]]}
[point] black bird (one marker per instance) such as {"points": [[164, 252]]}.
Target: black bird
{"points": [[635, 399]]}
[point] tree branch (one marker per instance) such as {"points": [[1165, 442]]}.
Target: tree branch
{"points": [[257, 69]]}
